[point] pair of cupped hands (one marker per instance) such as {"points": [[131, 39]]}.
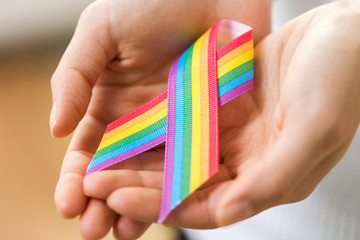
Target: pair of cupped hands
{"points": [[277, 141]]}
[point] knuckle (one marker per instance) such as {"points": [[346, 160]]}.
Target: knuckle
{"points": [[279, 189], [278, 193], [274, 194], [302, 196], [333, 131]]}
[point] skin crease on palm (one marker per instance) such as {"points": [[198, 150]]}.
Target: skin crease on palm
{"points": [[283, 138]]}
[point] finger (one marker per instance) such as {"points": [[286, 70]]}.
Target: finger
{"points": [[69, 197], [311, 125], [128, 229], [152, 160], [82, 63], [276, 177], [143, 204], [97, 220], [133, 205], [101, 184]]}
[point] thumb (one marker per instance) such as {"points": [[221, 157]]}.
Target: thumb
{"points": [[81, 65], [287, 171]]}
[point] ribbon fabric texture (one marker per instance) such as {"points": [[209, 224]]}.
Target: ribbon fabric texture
{"points": [[217, 68]]}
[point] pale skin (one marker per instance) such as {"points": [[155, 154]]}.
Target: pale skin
{"points": [[283, 138]]}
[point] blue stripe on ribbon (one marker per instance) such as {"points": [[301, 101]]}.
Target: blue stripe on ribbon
{"points": [[179, 133], [128, 147], [243, 78]]}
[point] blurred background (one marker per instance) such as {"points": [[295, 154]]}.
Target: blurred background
{"points": [[33, 36]]}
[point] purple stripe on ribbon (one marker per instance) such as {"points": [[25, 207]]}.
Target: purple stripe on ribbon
{"points": [[243, 88], [128, 154], [169, 152]]}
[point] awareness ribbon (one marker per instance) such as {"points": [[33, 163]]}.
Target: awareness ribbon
{"points": [[217, 68]]}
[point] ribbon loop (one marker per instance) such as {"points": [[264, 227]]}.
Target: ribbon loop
{"points": [[218, 67]]}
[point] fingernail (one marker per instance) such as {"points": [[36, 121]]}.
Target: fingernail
{"points": [[53, 117], [234, 212]]}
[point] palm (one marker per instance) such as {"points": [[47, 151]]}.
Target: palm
{"points": [[116, 64], [245, 123], [138, 67], [256, 129], [242, 132], [138, 70]]}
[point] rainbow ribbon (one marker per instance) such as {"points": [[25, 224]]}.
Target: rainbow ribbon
{"points": [[217, 68]]}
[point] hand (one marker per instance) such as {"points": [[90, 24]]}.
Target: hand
{"points": [[118, 59], [276, 142]]}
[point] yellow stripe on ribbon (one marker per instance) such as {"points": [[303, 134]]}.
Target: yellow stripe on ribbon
{"points": [[196, 114], [243, 58], [204, 175], [138, 127], [135, 121]]}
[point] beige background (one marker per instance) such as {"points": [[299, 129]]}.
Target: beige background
{"points": [[33, 36], [30, 158]]}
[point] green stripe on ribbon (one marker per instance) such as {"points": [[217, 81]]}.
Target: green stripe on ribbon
{"points": [[151, 128], [243, 68], [185, 189]]}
